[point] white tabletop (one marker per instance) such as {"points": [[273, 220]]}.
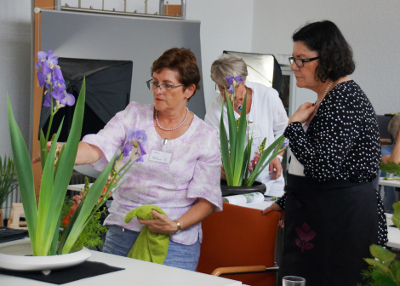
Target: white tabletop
{"points": [[390, 182], [393, 233], [136, 272]]}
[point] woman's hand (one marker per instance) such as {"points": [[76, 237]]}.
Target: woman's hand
{"points": [[223, 175], [161, 224], [305, 111], [276, 208], [58, 149], [276, 165]]}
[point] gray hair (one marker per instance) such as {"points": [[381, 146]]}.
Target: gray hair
{"points": [[227, 65], [394, 126]]}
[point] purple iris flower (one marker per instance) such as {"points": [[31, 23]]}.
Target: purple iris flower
{"points": [[47, 99], [238, 78], [134, 147], [57, 74], [58, 90], [229, 79], [41, 77], [230, 89], [285, 143], [69, 99], [41, 56]]}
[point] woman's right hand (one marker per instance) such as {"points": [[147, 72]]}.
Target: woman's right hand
{"points": [[223, 175], [303, 113], [38, 158], [276, 208]]}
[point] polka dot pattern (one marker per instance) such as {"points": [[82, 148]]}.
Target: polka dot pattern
{"points": [[341, 143]]}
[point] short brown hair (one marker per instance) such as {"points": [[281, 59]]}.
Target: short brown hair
{"points": [[181, 60]]}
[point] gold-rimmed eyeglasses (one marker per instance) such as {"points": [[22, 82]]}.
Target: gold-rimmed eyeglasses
{"points": [[153, 85]]}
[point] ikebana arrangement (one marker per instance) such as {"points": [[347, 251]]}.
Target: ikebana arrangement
{"points": [[239, 170], [43, 218]]}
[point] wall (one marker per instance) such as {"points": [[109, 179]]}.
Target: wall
{"points": [[372, 28], [15, 68], [225, 25]]}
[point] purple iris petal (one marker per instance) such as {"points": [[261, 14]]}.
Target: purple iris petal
{"points": [[136, 139], [238, 78], [41, 77], [69, 99], [285, 143], [57, 74], [229, 79], [58, 90], [41, 56], [53, 60], [47, 99], [46, 67], [230, 89]]}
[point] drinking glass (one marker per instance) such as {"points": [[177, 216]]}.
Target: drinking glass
{"points": [[293, 281]]}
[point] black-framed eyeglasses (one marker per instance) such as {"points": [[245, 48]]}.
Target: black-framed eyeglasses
{"points": [[300, 62], [153, 85]]}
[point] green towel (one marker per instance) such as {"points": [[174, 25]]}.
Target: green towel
{"points": [[149, 246]]}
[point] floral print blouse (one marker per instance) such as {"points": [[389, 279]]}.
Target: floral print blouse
{"points": [[193, 170]]}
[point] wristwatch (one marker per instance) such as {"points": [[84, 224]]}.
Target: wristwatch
{"points": [[280, 157], [178, 224]]}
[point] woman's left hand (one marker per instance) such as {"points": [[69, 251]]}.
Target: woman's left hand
{"points": [[161, 224], [276, 165]]}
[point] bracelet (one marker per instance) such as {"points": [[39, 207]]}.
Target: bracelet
{"points": [[179, 226], [280, 157]]}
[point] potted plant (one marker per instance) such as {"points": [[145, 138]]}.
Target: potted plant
{"points": [[8, 182], [43, 217], [384, 268], [239, 170]]}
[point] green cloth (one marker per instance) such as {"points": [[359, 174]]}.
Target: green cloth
{"points": [[149, 246]]}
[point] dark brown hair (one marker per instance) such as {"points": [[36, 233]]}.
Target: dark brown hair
{"points": [[181, 60], [335, 54]]}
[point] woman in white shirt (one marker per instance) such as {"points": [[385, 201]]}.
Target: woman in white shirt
{"points": [[265, 114]]}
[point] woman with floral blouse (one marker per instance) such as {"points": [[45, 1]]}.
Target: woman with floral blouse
{"points": [[178, 163]]}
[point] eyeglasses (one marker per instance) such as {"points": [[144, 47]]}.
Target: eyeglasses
{"points": [[221, 90], [300, 62], [152, 85]]}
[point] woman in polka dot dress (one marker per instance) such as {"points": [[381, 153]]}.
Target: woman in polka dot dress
{"points": [[332, 211]]}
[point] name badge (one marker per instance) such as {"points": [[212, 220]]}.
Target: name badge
{"points": [[160, 157]]}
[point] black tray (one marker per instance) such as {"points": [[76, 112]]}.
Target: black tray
{"points": [[9, 234], [231, 191]]}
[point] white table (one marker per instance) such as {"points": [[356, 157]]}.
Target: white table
{"points": [[390, 183], [136, 272], [77, 187], [393, 233]]}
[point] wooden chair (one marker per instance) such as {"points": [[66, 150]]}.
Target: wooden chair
{"points": [[239, 241], [17, 211]]}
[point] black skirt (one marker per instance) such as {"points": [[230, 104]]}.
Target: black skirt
{"points": [[329, 227]]}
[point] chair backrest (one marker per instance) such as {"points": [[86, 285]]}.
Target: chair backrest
{"points": [[383, 122], [239, 236]]}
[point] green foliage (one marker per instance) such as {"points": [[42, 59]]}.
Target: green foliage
{"points": [[8, 180], [390, 167], [92, 233], [384, 270], [235, 155]]}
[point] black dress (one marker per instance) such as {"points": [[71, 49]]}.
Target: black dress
{"points": [[333, 214]]}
